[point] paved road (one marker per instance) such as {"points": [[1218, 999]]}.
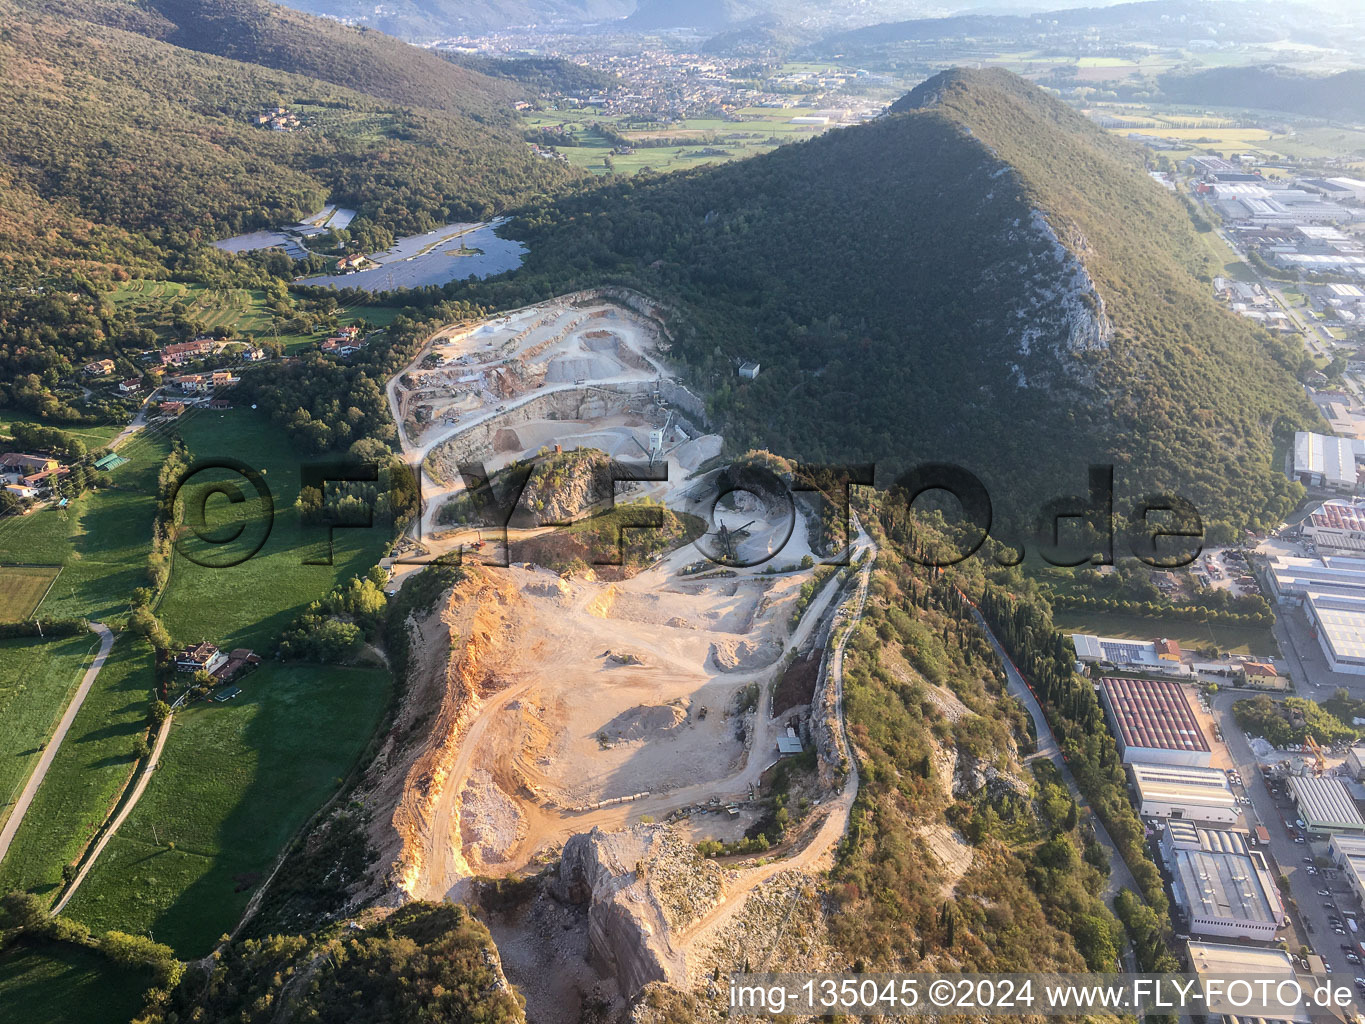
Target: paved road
{"points": [[1119, 875], [54, 744], [1312, 926]]}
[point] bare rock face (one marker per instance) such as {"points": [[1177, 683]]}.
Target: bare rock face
{"points": [[641, 885]]}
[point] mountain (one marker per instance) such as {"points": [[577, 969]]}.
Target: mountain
{"points": [[1161, 22], [1268, 87], [122, 118], [981, 277], [423, 20]]}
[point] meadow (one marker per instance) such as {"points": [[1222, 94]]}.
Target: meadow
{"points": [[1190, 635], [87, 775], [22, 589], [54, 982], [236, 781], [37, 679]]}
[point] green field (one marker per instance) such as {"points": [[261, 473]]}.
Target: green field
{"points": [[37, 679], [63, 984], [247, 312], [755, 130], [1191, 635], [102, 540], [22, 588], [251, 603], [235, 782], [95, 435], [237, 779], [87, 775]]}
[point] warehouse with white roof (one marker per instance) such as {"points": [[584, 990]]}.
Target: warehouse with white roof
{"points": [[1331, 591], [1186, 792], [1221, 886], [1324, 461], [1325, 804], [1348, 853]]}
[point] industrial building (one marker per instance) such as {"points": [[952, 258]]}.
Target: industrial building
{"points": [[1325, 805], [1337, 525], [1150, 656], [1348, 853], [1184, 792], [1331, 591], [1225, 959], [1324, 461], [1153, 722], [1222, 887]]}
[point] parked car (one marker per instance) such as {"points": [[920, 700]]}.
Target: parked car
{"points": [[1325, 892]]}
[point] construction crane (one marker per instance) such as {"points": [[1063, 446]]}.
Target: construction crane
{"points": [[1320, 762]]}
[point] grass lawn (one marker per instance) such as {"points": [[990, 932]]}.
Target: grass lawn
{"points": [[102, 539], [95, 435], [58, 983], [87, 775], [235, 782], [1190, 635], [248, 605], [22, 587], [37, 678]]}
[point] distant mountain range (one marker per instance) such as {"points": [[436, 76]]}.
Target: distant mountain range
{"points": [[1271, 88], [1163, 22]]}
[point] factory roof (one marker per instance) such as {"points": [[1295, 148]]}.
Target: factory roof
{"points": [[1179, 784], [1325, 802], [1153, 713]]}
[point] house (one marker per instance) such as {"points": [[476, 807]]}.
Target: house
{"points": [[1167, 650], [352, 262], [100, 368], [191, 384], [21, 491], [238, 659], [202, 656], [172, 408], [19, 464], [183, 351], [219, 404], [223, 379], [748, 371], [254, 355], [130, 385], [1262, 674]]}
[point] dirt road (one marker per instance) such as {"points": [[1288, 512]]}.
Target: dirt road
{"points": [[139, 787], [55, 742]]}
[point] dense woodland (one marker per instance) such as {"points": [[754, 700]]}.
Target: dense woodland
{"points": [[1341, 95], [882, 274]]}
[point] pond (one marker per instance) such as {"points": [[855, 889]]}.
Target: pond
{"points": [[449, 253]]}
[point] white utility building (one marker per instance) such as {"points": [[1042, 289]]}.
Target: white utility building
{"points": [[1184, 792], [1324, 461]]}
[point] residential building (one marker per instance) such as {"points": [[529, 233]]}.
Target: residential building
{"points": [[130, 385], [100, 368], [1153, 723], [200, 657]]}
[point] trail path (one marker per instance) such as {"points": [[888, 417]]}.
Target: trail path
{"points": [[55, 742]]}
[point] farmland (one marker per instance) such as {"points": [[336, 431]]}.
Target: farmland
{"points": [[235, 782], [87, 775], [22, 589]]}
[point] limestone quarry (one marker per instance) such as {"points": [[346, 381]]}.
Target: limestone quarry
{"points": [[589, 730]]}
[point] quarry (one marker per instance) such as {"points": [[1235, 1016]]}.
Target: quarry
{"points": [[579, 731]]}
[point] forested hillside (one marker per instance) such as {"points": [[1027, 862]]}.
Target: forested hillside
{"points": [[1271, 88], [982, 278], [146, 135]]}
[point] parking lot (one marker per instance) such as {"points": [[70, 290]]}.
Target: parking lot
{"points": [[1325, 902]]}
